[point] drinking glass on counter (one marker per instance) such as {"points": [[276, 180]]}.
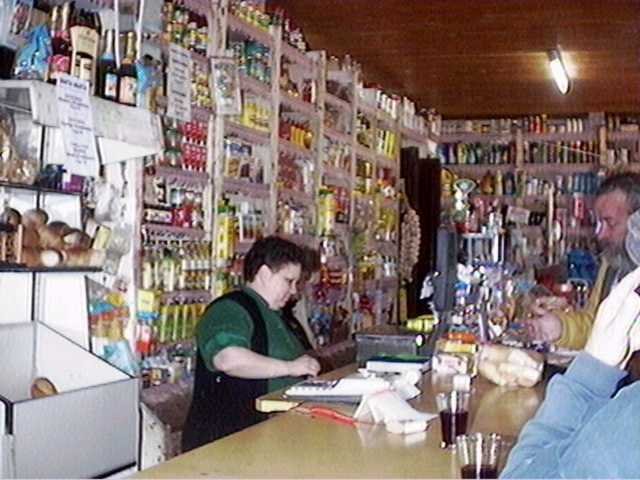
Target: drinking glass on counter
{"points": [[454, 414], [479, 454]]}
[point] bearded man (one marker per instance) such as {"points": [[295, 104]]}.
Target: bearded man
{"points": [[617, 198]]}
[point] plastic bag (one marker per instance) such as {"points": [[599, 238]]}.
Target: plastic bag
{"points": [[32, 60]]}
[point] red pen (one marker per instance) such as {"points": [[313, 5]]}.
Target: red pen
{"points": [[328, 414]]}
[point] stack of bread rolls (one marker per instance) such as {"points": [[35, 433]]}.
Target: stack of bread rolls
{"points": [[52, 244]]}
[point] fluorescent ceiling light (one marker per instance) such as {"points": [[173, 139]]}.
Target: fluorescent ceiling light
{"points": [[559, 72]]}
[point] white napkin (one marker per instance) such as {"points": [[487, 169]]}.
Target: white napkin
{"points": [[390, 408]]}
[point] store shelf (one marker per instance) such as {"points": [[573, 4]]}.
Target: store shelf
{"points": [[298, 196], [188, 296], [301, 239], [366, 153], [337, 136], [623, 136], [559, 168], [139, 130], [341, 229], [581, 232], [183, 177], [388, 283], [377, 158], [246, 188], [164, 47], [256, 86], [35, 188], [478, 169], [298, 105], [23, 269], [250, 134], [337, 102], [336, 176], [386, 202], [414, 135], [367, 109], [386, 162], [291, 148], [337, 261], [235, 24], [476, 137], [585, 136], [388, 249], [298, 57], [243, 246], [366, 286], [166, 232], [200, 114]]}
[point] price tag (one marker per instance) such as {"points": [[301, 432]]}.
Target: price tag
{"points": [[179, 83], [76, 124]]}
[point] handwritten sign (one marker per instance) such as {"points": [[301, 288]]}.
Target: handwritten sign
{"points": [[179, 83], [76, 124]]}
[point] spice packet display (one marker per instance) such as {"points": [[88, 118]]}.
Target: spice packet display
{"points": [[243, 160], [253, 59], [185, 26], [185, 145], [295, 173], [336, 154], [294, 217], [200, 86], [165, 334], [108, 317], [226, 86]]}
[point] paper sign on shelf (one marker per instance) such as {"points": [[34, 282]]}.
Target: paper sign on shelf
{"points": [[179, 83], [76, 124]]}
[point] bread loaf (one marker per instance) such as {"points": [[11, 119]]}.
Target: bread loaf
{"points": [[35, 218], [11, 216], [51, 235]]}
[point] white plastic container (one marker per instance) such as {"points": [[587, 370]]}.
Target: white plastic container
{"points": [[88, 429]]}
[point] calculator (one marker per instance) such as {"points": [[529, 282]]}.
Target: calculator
{"points": [[348, 389]]}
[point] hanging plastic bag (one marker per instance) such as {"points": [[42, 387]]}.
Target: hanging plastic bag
{"points": [[32, 60]]}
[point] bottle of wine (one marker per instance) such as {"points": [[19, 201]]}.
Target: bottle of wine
{"points": [[107, 76], [61, 44], [128, 84], [84, 43]]}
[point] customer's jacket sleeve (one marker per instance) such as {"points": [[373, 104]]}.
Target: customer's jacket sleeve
{"points": [[571, 400], [576, 324]]}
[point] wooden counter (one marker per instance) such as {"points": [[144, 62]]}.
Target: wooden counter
{"points": [[291, 445]]}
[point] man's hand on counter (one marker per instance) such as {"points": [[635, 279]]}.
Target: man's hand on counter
{"points": [[546, 327]]}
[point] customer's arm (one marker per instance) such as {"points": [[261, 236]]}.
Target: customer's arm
{"points": [[577, 324], [576, 327], [573, 398]]}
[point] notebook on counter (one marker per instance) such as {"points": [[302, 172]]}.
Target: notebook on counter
{"points": [[349, 389]]}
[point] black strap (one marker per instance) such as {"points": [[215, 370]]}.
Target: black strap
{"points": [[223, 404], [292, 323]]}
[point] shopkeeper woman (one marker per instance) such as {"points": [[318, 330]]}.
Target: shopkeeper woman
{"points": [[244, 348]]}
